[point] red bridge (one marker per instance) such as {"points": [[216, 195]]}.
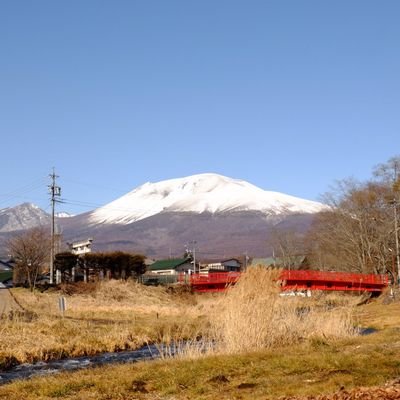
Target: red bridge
{"points": [[293, 281], [322, 280]]}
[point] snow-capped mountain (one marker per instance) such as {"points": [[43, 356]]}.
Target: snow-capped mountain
{"points": [[203, 193], [64, 214], [23, 216], [224, 216]]}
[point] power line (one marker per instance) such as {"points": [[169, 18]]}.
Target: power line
{"points": [[30, 187], [94, 185], [80, 203]]}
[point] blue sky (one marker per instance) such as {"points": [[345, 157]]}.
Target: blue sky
{"points": [[288, 95]]}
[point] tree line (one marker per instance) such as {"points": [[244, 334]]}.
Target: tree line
{"points": [[30, 251], [358, 230], [109, 265]]}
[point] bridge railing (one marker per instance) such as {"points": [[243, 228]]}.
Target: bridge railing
{"points": [[293, 279], [210, 278], [310, 275]]}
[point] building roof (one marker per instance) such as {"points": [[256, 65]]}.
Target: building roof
{"points": [[218, 260], [167, 264]]}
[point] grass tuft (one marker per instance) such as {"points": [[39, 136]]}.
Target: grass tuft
{"points": [[252, 315]]}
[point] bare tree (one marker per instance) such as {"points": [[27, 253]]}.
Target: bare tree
{"points": [[30, 250], [288, 245], [389, 172], [356, 234]]}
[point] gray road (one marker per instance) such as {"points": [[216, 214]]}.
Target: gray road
{"points": [[7, 303]]}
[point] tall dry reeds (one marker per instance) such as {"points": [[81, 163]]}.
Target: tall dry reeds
{"points": [[252, 315]]}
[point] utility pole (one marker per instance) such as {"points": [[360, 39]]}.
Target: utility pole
{"points": [[193, 251], [194, 256], [396, 238], [397, 242], [396, 189], [55, 191]]}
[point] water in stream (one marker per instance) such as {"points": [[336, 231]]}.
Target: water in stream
{"points": [[24, 371]]}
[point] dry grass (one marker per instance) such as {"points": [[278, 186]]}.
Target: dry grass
{"points": [[109, 317], [253, 316], [103, 297]]}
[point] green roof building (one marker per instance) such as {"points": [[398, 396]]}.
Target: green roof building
{"points": [[171, 266]]}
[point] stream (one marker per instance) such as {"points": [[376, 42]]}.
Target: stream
{"points": [[149, 352], [25, 371]]}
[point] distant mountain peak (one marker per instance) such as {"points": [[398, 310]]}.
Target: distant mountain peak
{"points": [[22, 216], [208, 192], [64, 214]]}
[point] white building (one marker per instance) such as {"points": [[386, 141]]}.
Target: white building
{"points": [[82, 247]]}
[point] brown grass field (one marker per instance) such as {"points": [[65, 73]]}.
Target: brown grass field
{"points": [[268, 346], [110, 316]]}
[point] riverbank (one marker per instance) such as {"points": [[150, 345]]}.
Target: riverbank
{"points": [[318, 368], [107, 317], [116, 316]]}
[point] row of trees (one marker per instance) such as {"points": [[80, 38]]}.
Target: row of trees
{"points": [[111, 265], [31, 252]]}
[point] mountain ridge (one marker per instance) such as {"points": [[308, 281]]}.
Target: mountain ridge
{"points": [[223, 215], [199, 193], [22, 216]]}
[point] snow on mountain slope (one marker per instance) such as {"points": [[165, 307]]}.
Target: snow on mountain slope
{"points": [[197, 194], [64, 214]]}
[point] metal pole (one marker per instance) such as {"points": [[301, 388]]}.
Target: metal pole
{"points": [[194, 257], [52, 237], [54, 191]]}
